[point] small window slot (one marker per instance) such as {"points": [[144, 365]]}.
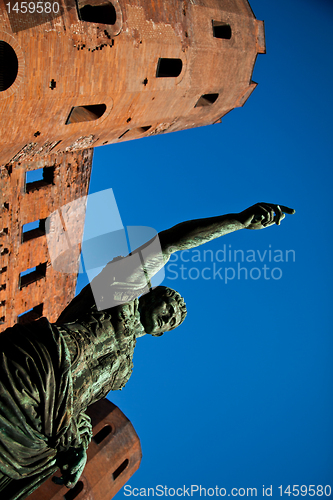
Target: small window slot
{"points": [[142, 130], [31, 275], [122, 135], [31, 315], [221, 30], [35, 179], [134, 133], [104, 13], [102, 434], [2, 320], [74, 492], [33, 230], [206, 100], [120, 469], [80, 114], [169, 68]]}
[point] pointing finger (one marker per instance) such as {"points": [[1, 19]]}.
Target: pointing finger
{"points": [[287, 210]]}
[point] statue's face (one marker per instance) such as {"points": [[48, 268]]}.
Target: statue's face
{"points": [[161, 315]]}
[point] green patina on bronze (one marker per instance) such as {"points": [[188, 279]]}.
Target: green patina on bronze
{"points": [[50, 373]]}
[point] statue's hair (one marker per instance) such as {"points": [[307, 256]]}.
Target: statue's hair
{"points": [[169, 292]]}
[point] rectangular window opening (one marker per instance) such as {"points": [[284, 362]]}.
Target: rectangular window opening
{"points": [[2, 320], [35, 179], [169, 68], [221, 30], [31, 275], [31, 314], [33, 230], [120, 469], [99, 12]]}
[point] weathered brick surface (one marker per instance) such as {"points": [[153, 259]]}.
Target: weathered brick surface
{"points": [[65, 62], [17, 207]]}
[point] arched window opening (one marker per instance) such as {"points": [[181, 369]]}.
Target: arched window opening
{"points": [[221, 30], [169, 68], [102, 13], [102, 434], [8, 66], [85, 113], [206, 100]]}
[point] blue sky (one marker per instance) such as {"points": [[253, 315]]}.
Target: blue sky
{"points": [[240, 395]]}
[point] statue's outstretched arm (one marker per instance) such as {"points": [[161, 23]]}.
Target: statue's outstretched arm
{"points": [[193, 233], [139, 267]]}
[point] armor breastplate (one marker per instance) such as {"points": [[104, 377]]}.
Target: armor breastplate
{"points": [[101, 344]]}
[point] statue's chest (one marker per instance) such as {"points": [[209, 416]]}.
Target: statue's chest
{"points": [[104, 348]]}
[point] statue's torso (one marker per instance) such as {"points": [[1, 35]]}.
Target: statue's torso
{"points": [[101, 344]]}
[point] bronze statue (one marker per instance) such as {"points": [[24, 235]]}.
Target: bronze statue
{"points": [[50, 373]]}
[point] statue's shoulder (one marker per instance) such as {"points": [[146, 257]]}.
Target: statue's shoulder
{"points": [[38, 331]]}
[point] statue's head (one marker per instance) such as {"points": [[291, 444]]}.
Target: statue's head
{"points": [[161, 310]]}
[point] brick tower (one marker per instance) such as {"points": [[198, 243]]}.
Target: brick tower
{"points": [[75, 74], [96, 72], [80, 74]]}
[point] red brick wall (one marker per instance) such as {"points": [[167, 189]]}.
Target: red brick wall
{"points": [[70, 181]]}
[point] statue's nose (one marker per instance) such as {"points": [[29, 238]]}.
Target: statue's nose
{"points": [[162, 307]]}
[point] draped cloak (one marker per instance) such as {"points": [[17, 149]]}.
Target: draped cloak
{"points": [[36, 406]]}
